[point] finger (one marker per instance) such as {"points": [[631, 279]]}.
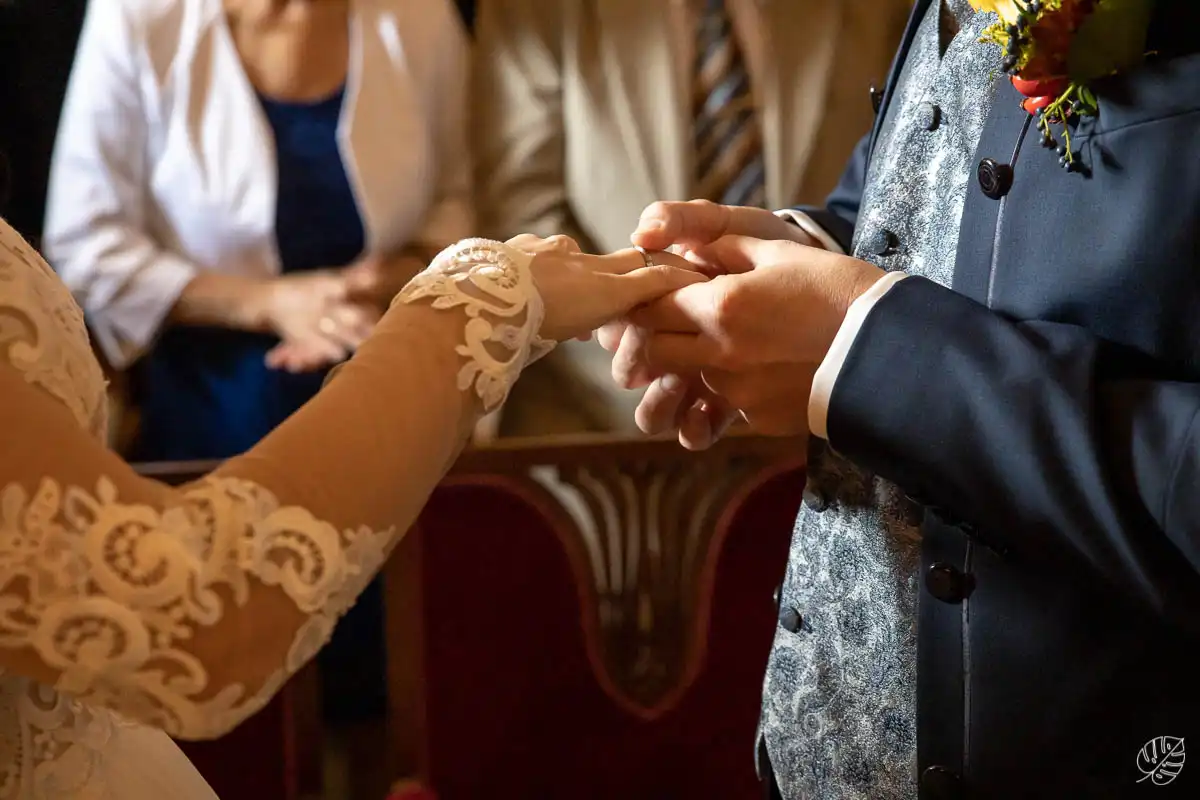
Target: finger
{"points": [[695, 430], [689, 310], [651, 283], [767, 397], [345, 327], [709, 417], [737, 253], [666, 223], [310, 353], [617, 295], [276, 356], [630, 370], [299, 362], [288, 358], [681, 352], [698, 222], [609, 335], [360, 321], [661, 404], [629, 260]]}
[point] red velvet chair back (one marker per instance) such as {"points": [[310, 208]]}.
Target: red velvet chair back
{"points": [[594, 621]]}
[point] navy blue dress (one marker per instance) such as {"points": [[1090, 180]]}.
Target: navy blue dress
{"points": [[207, 393]]}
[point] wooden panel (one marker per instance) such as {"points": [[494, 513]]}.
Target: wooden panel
{"points": [[593, 619]]}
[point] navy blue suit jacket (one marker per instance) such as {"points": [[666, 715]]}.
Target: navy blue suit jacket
{"points": [[1046, 412]]}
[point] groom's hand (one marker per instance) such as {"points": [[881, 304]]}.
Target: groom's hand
{"points": [[698, 222], [755, 336], [686, 227], [673, 401]]}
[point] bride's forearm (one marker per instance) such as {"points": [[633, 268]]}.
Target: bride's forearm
{"points": [[394, 411], [188, 608], [374, 442]]}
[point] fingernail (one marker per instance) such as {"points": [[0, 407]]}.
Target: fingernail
{"points": [[672, 383], [651, 226]]}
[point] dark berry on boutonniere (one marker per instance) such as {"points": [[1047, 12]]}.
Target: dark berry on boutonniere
{"points": [[1054, 50]]}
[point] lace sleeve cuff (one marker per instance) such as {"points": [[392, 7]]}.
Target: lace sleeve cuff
{"points": [[493, 284]]}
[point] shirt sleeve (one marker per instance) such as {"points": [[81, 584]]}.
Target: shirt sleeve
{"points": [[809, 226], [827, 372]]}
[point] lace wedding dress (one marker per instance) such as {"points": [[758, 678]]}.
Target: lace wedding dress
{"points": [[130, 611]]}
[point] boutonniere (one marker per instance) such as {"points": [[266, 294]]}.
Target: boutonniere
{"points": [[1055, 49]]}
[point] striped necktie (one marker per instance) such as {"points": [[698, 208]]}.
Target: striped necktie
{"points": [[728, 142]]}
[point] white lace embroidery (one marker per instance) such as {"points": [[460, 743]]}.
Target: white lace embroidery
{"points": [[110, 593], [113, 592], [53, 353], [489, 280]]}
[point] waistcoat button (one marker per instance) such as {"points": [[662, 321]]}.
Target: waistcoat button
{"points": [[876, 98], [791, 620], [930, 116], [947, 583], [995, 179], [882, 243], [815, 499]]}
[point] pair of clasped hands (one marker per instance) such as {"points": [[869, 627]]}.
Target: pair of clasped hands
{"points": [[740, 315]]}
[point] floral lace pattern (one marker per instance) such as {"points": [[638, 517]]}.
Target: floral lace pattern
{"points": [[109, 594], [489, 280], [42, 330]]}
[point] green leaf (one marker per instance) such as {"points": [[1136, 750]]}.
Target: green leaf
{"points": [[1112, 38]]}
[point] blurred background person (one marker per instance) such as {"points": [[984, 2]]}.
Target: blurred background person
{"points": [[233, 209], [590, 110], [237, 188]]}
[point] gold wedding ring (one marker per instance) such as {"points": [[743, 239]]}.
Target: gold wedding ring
{"points": [[646, 257]]}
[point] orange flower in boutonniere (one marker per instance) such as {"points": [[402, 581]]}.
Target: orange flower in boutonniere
{"points": [[1054, 50]]}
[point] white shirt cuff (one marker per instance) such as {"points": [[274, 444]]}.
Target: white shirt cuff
{"points": [[831, 366], [806, 224]]}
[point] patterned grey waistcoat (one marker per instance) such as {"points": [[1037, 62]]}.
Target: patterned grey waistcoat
{"points": [[839, 698]]}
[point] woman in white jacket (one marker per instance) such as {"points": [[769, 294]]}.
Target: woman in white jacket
{"points": [[236, 187]]}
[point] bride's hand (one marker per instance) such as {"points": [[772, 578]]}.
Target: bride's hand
{"points": [[582, 292]]}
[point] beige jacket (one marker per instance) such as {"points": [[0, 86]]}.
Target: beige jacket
{"points": [[584, 120]]}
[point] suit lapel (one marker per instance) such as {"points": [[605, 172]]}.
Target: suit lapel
{"points": [[640, 73]]}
